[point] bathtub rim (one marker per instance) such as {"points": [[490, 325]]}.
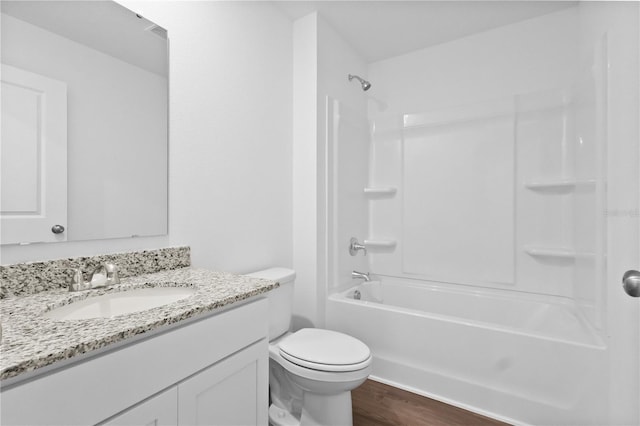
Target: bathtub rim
{"points": [[340, 295]]}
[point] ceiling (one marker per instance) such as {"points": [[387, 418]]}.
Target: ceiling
{"points": [[102, 25], [375, 29], [379, 30]]}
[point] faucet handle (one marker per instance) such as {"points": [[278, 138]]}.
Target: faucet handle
{"points": [[77, 280], [112, 274], [354, 246]]}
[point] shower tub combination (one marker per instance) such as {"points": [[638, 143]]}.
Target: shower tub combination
{"points": [[523, 360], [478, 177]]}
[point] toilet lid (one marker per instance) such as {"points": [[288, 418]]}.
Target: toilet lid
{"points": [[325, 350]]}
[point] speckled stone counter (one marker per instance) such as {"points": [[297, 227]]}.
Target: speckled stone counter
{"points": [[22, 279], [31, 341]]}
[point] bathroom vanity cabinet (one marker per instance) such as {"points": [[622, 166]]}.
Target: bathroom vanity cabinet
{"points": [[209, 370], [223, 394]]}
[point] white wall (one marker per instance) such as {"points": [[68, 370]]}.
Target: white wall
{"points": [[523, 57], [322, 62], [230, 147], [306, 204], [230, 138]]}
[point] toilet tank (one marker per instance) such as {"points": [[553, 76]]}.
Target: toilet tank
{"points": [[280, 299]]}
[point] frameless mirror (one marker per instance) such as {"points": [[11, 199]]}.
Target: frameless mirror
{"points": [[84, 122]]}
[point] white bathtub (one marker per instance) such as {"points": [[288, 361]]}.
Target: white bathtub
{"points": [[524, 359]]}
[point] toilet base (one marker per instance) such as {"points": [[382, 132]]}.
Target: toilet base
{"points": [[281, 417], [317, 410], [326, 410]]}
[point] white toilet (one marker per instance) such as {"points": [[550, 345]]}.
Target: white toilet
{"points": [[311, 371]]}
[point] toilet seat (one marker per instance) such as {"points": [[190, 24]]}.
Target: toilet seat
{"points": [[325, 350]]}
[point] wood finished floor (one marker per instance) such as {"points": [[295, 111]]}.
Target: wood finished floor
{"points": [[377, 404]]}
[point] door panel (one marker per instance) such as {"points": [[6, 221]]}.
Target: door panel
{"points": [[160, 410], [33, 154], [623, 213], [231, 392]]}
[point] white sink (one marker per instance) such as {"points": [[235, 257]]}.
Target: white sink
{"points": [[120, 303]]}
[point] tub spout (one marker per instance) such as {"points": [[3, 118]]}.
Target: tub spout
{"points": [[356, 274]]}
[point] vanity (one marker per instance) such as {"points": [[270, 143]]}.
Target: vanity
{"points": [[202, 359]]}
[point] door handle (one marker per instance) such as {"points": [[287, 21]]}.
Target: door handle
{"points": [[57, 229], [631, 283]]}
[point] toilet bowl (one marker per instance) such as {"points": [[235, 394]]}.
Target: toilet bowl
{"points": [[311, 371]]}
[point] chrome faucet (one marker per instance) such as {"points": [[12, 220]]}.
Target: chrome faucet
{"points": [[112, 274], [77, 281], [104, 275], [354, 246], [356, 274]]}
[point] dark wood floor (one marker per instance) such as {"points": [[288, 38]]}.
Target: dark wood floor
{"points": [[377, 404]]}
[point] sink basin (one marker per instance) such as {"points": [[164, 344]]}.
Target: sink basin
{"points": [[120, 303]]}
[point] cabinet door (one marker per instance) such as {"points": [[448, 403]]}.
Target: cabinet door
{"points": [[233, 391], [160, 410]]}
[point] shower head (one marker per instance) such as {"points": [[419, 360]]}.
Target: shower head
{"points": [[365, 84]]}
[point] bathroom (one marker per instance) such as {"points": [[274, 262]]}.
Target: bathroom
{"points": [[257, 96]]}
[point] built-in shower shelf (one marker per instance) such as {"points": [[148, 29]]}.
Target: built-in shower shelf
{"points": [[556, 252], [380, 191], [383, 245], [558, 184]]}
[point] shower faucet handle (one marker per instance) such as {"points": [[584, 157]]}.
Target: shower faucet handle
{"points": [[354, 246]]}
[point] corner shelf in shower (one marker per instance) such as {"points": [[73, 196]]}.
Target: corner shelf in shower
{"points": [[558, 184], [380, 191], [556, 252], [382, 245]]}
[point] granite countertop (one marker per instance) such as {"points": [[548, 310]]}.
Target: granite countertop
{"points": [[31, 341]]}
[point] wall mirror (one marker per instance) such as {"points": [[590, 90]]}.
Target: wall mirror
{"points": [[84, 122]]}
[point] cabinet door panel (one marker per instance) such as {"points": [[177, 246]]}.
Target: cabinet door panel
{"points": [[231, 392], [160, 410]]}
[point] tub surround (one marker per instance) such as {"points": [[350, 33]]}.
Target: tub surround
{"points": [[23, 279], [30, 341]]}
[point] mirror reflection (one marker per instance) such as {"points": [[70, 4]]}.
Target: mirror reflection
{"points": [[84, 122]]}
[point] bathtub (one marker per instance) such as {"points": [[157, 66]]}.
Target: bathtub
{"points": [[524, 359]]}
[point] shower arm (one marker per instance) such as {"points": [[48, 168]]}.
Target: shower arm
{"points": [[360, 79], [364, 83]]}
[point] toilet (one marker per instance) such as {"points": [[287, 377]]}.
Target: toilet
{"points": [[311, 371]]}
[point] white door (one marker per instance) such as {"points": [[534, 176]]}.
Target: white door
{"points": [[33, 153], [622, 213]]}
